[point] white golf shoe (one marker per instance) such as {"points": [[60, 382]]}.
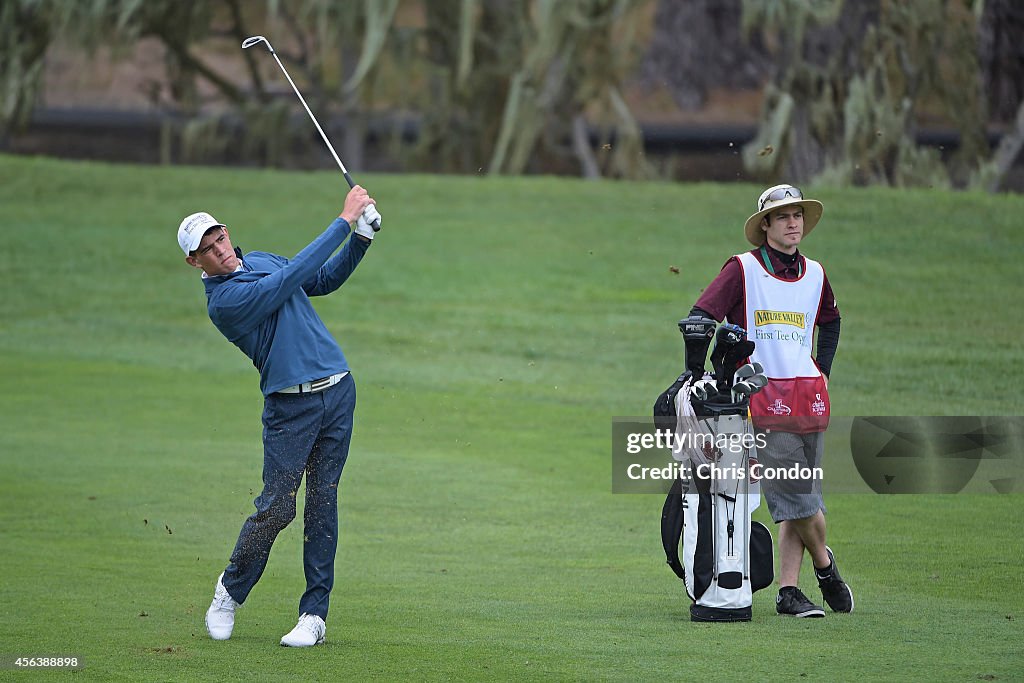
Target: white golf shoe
{"points": [[220, 618], [309, 631]]}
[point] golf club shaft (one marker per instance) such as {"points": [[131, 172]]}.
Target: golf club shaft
{"points": [[348, 178], [313, 118]]}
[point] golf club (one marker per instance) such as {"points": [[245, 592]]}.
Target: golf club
{"points": [[728, 336], [255, 40], [752, 373], [759, 381], [698, 393], [745, 371], [707, 388], [742, 390], [698, 332], [733, 356]]}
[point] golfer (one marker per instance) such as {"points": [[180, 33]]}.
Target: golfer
{"points": [[260, 302], [779, 296]]}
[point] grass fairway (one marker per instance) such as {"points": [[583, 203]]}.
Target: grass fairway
{"points": [[494, 329]]}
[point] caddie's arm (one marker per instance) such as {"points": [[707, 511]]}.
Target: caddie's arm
{"points": [[828, 343], [715, 303], [828, 330], [723, 294]]}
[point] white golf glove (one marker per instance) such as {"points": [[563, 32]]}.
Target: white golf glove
{"points": [[363, 225]]}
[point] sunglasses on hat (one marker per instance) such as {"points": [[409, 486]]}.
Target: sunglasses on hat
{"points": [[782, 193]]}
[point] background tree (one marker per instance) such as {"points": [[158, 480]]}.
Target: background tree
{"points": [[512, 88], [697, 46], [851, 81], [496, 85], [846, 84], [1001, 55], [26, 30]]}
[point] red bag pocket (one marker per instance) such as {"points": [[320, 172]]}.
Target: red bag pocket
{"points": [[799, 405]]}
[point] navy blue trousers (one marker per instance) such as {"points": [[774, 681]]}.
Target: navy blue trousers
{"points": [[302, 433]]}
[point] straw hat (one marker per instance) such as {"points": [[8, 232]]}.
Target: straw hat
{"points": [[775, 198]]}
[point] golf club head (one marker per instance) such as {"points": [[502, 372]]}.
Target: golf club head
{"points": [[707, 389], [759, 381], [698, 393], [745, 388], [745, 371], [758, 368], [255, 40]]}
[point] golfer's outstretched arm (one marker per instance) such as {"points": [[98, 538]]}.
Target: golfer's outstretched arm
{"points": [[247, 299], [338, 268], [244, 303], [334, 273]]}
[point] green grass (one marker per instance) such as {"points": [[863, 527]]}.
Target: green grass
{"points": [[494, 330]]}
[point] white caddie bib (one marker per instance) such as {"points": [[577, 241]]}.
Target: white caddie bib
{"points": [[780, 321]]}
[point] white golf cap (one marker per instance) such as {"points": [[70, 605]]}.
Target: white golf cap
{"points": [[192, 229]]}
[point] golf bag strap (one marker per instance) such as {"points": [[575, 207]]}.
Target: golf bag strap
{"points": [[672, 527], [762, 557], [665, 404]]}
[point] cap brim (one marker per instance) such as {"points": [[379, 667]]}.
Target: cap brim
{"points": [[812, 214], [195, 243]]}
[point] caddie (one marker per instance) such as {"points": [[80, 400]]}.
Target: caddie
{"points": [[779, 296], [261, 303]]}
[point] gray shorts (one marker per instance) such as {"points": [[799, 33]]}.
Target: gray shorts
{"points": [[791, 498]]}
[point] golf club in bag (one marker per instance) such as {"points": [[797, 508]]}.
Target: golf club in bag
{"points": [[727, 337], [710, 542], [256, 40]]}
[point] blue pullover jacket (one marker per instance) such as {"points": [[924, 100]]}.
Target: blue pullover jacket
{"points": [[264, 309]]}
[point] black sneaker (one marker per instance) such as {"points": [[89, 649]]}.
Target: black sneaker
{"points": [[792, 602], [837, 594]]}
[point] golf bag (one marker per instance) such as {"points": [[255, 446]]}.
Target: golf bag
{"points": [[725, 556]]}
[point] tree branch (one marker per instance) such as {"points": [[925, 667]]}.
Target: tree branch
{"points": [[1007, 151], [238, 31]]}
